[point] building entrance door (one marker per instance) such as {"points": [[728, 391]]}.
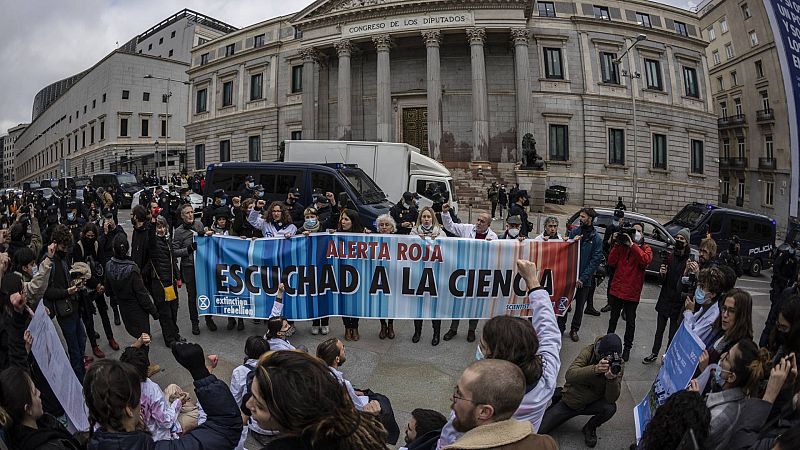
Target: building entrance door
{"points": [[415, 128]]}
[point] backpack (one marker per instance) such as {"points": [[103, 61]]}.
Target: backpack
{"points": [[248, 392]]}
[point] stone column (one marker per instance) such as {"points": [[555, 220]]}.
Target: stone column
{"points": [[480, 99], [384, 88], [323, 94], [309, 56], [434, 85], [344, 130], [523, 85]]}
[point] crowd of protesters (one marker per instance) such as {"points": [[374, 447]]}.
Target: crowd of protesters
{"points": [[75, 258]]}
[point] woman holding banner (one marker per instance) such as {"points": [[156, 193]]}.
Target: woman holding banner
{"points": [[311, 225], [427, 227], [386, 225], [278, 224], [350, 222]]}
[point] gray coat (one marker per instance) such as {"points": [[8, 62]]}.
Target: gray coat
{"points": [[733, 416], [182, 239]]}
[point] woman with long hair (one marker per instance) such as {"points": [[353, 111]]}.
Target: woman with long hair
{"points": [[683, 417], [278, 222], [735, 322], [785, 337], [296, 394], [350, 222], [427, 226]]}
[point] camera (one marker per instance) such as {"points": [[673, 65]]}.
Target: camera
{"points": [[619, 210], [689, 283], [629, 231], [615, 363], [664, 254]]}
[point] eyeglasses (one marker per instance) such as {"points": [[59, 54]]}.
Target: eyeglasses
{"points": [[277, 210], [725, 309], [457, 396]]}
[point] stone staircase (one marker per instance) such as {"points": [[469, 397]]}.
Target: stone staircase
{"points": [[472, 184]]}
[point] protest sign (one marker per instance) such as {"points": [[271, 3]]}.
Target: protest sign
{"points": [[54, 364], [378, 276], [680, 363]]}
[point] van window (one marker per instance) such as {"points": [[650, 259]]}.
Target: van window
{"points": [[761, 231], [325, 182], [715, 224], [428, 188], [232, 182], [277, 184], [650, 231], [739, 227]]}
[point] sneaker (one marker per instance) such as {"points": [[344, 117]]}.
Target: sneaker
{"points": [[315, 330], [650, 359], [292, 330], [589, 435], [626, 354], [325, 330]]}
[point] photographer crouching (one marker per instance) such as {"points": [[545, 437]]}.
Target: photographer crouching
{"points": [[591, 388], [629, 257]]}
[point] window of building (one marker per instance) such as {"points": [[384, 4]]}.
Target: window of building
{"points": [[94, 103], [690, 82], [769, 146], [296, 135], [160, 40], [229, 49], [91, 164], [199, 156], [723, 25], [652, 70], [643, 20], [85, 108], [715, 55], [224, 150], [102, 131], [171, 52], [204, 59], [91, 138], [740, 190], [616, 146], [737, 106], [746, 11], [123, 128], [150, 47], [559, 143], [227, 93], [77, 114], [726, 188], [680, 28], [258, 41], [254, 148], [125, 94], [712, 34], [83, 138], [76, 137], [729, 50], [741, 147], [697, 156], [720, 83], [660, 151], [769, 193], [202, 96], [145, 96], [163, 128], [172, 35], [552, 64], [734, 79], [601, 12], [256, 86], [297, 79], [145, 127], [102, 164], [759, 69], [201, 41], [764, 100], [608, 68], [753, 39]]}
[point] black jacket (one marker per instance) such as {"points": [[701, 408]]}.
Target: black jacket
{"points": [[241, 227], [123, 281], [12, 342], [140, 247], [296, 211], [162, 262], [106, 240], [50, 435], [401, 214], [425, 442], [222, 428], [59, 284], [516, 210], [670, 302]]}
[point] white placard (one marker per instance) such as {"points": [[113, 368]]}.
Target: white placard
{"points": [[416, 22]]}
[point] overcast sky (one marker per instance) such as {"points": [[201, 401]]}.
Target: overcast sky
{"points": [[45, 41]]}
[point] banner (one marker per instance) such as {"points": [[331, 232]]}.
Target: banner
{"points": [[378, 276], [784, 18], [680, 362]]}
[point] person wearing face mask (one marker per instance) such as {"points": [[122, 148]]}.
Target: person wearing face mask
{"points": [[109, 230], [164, 267], [218, 201], [550, 231], [775, 308], [140, 220], [701, 319], [670, 300], [426, 227], [629, 257], [220, 225], [735, 322], [518, 208], [313, 225], [785, 337], [405, 212], [183, 247], [734, 402], [513, 225], [249, 190], [591, 255], [73, 220], [35, 278], [294, 207]]}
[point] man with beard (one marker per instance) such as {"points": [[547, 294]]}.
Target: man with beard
{"points": [[550, 230], [486, 396], [591, 255], [423, 430], [183, 247]]}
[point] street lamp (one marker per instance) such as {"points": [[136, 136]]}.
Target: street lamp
{"points": [[158, 168], [631, 76], [166, 98]]}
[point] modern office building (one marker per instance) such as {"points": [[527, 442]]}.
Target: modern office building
{"points": [[126, 112], [465, 83], [748, 94], [9, 179]]}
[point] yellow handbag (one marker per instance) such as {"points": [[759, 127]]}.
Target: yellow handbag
{"points": [[170, 294]]}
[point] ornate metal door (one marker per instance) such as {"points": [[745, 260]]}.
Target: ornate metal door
{"points": [[415, 128]]}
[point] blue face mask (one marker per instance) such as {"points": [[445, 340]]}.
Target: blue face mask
{"points": [[311, 223], [699, 296], [222, 202], [479, 354], [34, 270], [71, 216], [718, 380]]}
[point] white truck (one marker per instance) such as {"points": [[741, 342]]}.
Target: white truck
{"points": [[395, 167]]}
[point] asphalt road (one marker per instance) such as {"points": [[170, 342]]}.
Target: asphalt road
{"points": [[422, 376]]}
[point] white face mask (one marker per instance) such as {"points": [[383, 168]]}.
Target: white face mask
{"points": [[637, 237], [513, 232], [479, 354]]}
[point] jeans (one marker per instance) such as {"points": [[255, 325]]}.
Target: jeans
{"points": [[473, 324], [350, 322], [580, 300], [75, 335], [674, 322], [323, 322], [191, 289], [167, 312], [617, 304], [494, 209], [558, 413]]}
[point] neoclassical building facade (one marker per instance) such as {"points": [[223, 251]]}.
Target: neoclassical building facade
{"points": [[464, 81]]}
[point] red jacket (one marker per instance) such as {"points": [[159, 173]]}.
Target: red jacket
{"points": [[629, 266]]}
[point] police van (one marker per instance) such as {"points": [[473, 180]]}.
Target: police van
{"points": [[756, 232]]}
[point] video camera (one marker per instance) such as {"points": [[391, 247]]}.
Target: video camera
{"points": [[619, 210], [615, 363], [629, 231]]}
